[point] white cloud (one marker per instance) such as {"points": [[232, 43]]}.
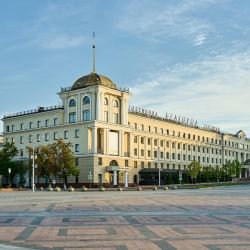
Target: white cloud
{"points": [[199, 39], [214, 91], [162, 19]]}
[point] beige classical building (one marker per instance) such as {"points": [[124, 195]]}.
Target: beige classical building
{"points": [[119, 144]]}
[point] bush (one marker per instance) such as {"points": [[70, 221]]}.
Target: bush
{"points": [[154, 188], [165, 188], [174, 187], [71, 189], [101, 189], [139, 189], [49, 188], [41, 188], [119, 189], [84, 189], [57, 189]]}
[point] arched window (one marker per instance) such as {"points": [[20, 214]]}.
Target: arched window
{"points": [[72, 103], [86, 100], [115, 103], [113, 163], [106, 102]]}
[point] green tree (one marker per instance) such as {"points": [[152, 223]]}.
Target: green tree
{"points": [[6, 154], [55, 159], [193, 169]]}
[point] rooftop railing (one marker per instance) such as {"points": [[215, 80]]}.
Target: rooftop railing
{"points": [[67, 89], [33, 111]]}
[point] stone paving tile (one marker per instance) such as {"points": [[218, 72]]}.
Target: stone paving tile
{"points": [[184, 219]]}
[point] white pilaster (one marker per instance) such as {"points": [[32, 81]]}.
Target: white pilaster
{"points": [[126, 179], [115, 178], [94, 140]]}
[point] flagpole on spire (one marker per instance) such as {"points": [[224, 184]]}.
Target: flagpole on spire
{"points": [[93, 46]]}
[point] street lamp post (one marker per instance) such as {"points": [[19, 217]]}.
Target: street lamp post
{"points": [[9, 171], [33, 157], [159, 176]]}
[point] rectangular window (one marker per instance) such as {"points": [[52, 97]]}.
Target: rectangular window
{"points": [[30, 138], [66, 134], [179, 157], [173, 145], [38, 138], [13, 127], [167, 155], [155, 129], [167, 131], [142, 140], [126, 163], [173, 156], [21, 153], [76, 133], [149, 164], [142, 152], [184, 146], [21, 139], [7, 128], [155, 142], [46, 122], [135, 139], [135, 164], [142, 164], [46, 136], [149, 153], [99, 161], [55, 121], [38, 124], [155, 154], [31, 125], [106, 116], [156, 165], [55, 136], [21, 126], [167, 144], [76, 147], [162, 155], [135, 151], [149, 141], [72, 117], [149, 129], [179, 146], [162, 143], [115, 118]]}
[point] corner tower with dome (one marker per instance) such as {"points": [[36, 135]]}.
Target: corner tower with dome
{"points": [[121, 145]]}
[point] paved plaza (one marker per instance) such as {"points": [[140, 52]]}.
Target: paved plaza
{"points": [[212, 218]]}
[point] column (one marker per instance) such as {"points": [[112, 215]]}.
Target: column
{"points": [[94, 140], [120, 143], [126, 179], [115, 178], [246, 175], [240, 174], [122, 110], [130, 144], [79, 108], [98, 106]]}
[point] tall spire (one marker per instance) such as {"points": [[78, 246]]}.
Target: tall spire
{"points": [[93, 46]]}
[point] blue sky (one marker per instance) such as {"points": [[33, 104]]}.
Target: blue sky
{"points": [[190, 58]]}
